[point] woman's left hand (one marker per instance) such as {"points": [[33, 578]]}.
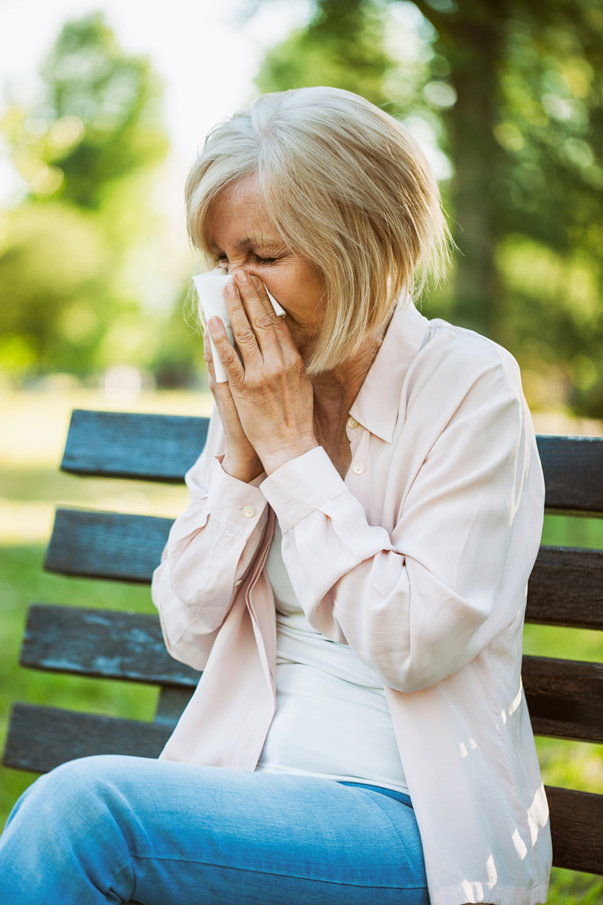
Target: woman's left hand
{"points": [[270, 389]]}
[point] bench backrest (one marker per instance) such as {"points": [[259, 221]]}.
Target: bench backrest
{"points": [[565, 697]]}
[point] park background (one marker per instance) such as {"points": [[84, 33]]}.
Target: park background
{"points": [[102, 108]]}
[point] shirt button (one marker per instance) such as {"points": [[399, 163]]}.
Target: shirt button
{"points": [[358, 468], [352, 423], [249, 512]]}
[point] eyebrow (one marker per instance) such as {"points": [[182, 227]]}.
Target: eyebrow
{"points": [[261, 241]]}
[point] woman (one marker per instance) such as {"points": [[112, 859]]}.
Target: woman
{"points": [[350, 574]]}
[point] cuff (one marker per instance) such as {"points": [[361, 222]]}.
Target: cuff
{"points": [[234, 502], [301, 486]]}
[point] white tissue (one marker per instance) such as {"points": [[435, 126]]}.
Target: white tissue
{"points": [[210, 289]]}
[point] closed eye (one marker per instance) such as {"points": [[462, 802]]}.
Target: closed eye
{"points": [[265, 262]]}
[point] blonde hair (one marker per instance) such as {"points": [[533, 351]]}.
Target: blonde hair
{"points": [[347, 187]]}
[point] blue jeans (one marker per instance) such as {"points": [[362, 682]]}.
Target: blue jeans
{"points": [[110, 829]]}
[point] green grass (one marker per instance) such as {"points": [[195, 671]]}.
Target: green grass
{"points": [[564, 531]]}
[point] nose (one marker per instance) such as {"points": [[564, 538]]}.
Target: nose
{"points": [[234, 268]]}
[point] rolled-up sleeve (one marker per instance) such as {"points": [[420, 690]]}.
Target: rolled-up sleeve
{"points": [[418, 603], [209, 550]]}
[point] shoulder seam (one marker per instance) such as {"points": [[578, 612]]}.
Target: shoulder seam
{"points": [[496, 347]]}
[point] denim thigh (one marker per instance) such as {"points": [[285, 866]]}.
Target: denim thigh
{"points": [[110, 829]]}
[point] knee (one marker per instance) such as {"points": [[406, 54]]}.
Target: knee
{"points": [[66, 829], [78, 792]]}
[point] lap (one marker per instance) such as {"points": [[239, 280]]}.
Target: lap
{"points": [[210, 835]]}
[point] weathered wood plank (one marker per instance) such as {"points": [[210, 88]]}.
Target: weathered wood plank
{"points": [[566, 588], [121, 445], [565, 697], [102, 643], [163, 448], [41, 738], [106, 545], [573, 473], [576, 824]]}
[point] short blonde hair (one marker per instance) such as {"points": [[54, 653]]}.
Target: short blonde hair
{"points": [[347, 187]]}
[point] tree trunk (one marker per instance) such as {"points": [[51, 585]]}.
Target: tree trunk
{"points": [[473, 49]]}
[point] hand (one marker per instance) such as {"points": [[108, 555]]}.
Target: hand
{"points": [[241, 460], [269, 387]]}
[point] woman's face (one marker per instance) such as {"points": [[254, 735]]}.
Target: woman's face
{"points": [[243, 239]]}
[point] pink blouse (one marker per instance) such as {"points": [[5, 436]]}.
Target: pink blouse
{"points": [[419, 561]]}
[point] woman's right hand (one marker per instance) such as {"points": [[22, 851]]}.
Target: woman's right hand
{"points": [[241, 460]]}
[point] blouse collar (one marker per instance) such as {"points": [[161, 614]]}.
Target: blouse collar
{"points": [[377, 404]]}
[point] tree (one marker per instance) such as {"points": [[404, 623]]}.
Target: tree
{"points": [[343, 46], [83, 152], [99, 121], [525, 136], [516, 88]]}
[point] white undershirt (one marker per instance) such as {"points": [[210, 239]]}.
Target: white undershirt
{"points": [[332, 718]]}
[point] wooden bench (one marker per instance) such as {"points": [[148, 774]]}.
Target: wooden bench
{"points": [[565, 697]]}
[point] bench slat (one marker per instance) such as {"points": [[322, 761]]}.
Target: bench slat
{"points": [[41, 738], [106, 544], [573, 473], [576, 821], [163, 448], [566, 587], [123, 445], [565, 697], [101, 643]]}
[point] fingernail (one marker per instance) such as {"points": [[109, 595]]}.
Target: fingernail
{"points": [[213, 323], [231, 289], [242, 276]]}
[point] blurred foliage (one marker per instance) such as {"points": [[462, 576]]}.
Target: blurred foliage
{"points": [[101, 118], [343, 46], [105, 112], [506, 95], [86, 154], [512, 92]]}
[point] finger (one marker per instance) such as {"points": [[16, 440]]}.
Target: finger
{"points": [[243, 333], [260, 313], [214, 385], [229, 359], [281, 327], [209, 362], [227, 409], [284, 334], [229, 414]]}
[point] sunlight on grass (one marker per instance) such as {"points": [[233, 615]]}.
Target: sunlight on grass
{"points": [[571, 888], [573, 531], [35, 424], [31, 485]]}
